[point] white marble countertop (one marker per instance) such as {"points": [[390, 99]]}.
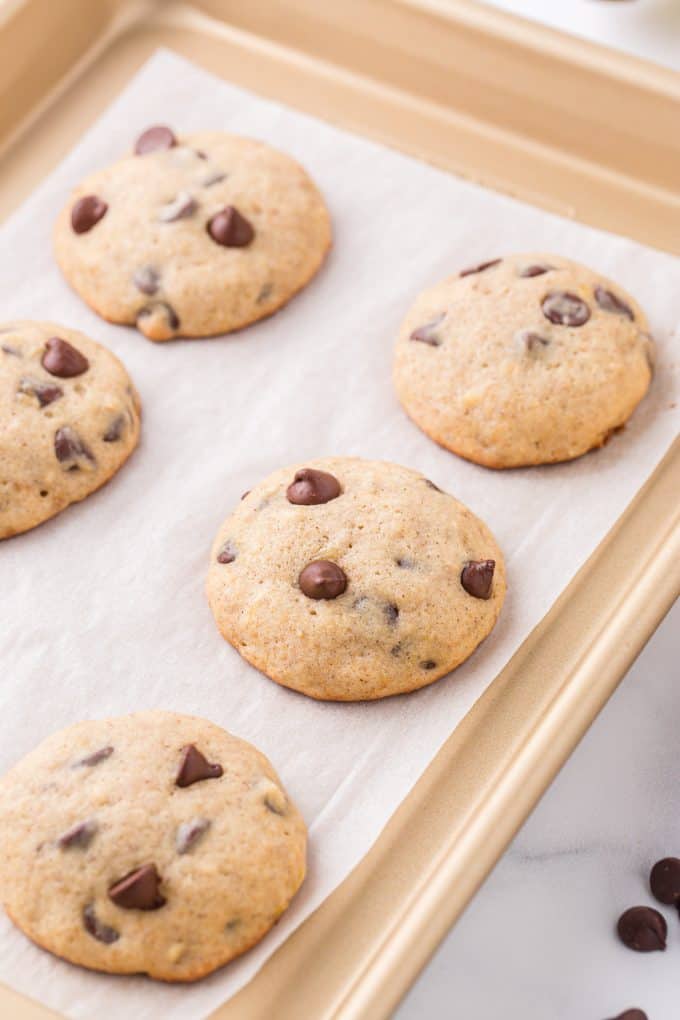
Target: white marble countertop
{"points": [[538, 941]]}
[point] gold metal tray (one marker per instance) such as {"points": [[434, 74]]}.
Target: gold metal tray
{"points": [[553, 120]]}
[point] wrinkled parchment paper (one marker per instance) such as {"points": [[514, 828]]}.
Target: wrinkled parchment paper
{"points": [[102, 610]]}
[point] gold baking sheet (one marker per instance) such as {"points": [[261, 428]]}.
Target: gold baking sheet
{"points": [[555, 121]]}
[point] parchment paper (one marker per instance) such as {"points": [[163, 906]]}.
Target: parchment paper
{"points": [[103, 610]]}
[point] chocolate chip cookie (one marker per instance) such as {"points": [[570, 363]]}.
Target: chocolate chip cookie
{"points": [[192, 236], [69, 418], [528, 359], [350, 579], [154, 843]]}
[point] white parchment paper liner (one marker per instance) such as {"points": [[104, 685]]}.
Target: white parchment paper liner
{"points": [[103, 611]]}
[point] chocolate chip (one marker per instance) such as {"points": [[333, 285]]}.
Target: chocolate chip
{"points": [[216, 177], [45, 393], [609, 302], [62, 359], [405, 563], [322, 579], [643, 929], [426, 334], [230, 228], [311, 487], [163, 308], [147, 279], [631, 1014], [528, 342], [180, 208], [8, 349], [428, 664], [477, 577], [194, 767], [102, 932], [138, 890], [391, 613], [95, 757], [265, 292], [155, 138], [432, 485], [535, 270], [227, 553], [70, 448], [565, 309], [189, 833], [480, 268], [79, 835], [664, 880], [86, 212], [115, 429]]}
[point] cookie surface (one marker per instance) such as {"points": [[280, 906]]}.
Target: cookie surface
{"points": [[528, 359], [69, 418], [192, 236], [153, 843], [349, 579]]}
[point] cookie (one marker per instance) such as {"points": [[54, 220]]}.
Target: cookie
{"points": [[153, 843], [528, 359], [192, 236], [349, 579], [69, 418]]}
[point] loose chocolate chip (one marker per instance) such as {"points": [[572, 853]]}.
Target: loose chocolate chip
{"points": [[565, 309], [480, 268], [227, 553], [426, 334], [189, 833], [44, 392], [535, 270], [664, 880], [8, 349], [643, 929], [94, 758], [147, 279], [102, 932], [69, 447], [62, 359], [79, 835], [528, 342], [428, 664], [432, 485], [392, 614], [86, 212], [164, 308], [154, 138], [180, 208], [216, 177], [477, 577], [115, 429], [310, 487], [230, 229], [194, 767], [138, 890], [631, 1014], [609, 302], [322, 579]]}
